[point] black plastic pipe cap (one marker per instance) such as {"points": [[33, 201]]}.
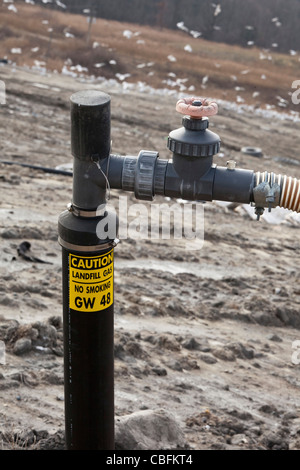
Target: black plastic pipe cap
{"points": [[90, 124]]}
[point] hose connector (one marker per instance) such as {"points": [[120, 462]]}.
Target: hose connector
{"points": [[272, 190]]}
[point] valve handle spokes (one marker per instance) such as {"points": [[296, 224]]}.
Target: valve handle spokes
{"points": [[196, 107]]}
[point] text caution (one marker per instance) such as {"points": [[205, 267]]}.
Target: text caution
{"points": [[91, 282]]}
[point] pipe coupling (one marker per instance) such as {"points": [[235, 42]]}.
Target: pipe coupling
{"points": [[276, 190], [144, 175], [267, 189]]}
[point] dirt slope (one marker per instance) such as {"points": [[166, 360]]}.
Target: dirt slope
{"points": [[207, 334]]}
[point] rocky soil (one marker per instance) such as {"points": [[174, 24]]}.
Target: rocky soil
{"points": [[208, 335]]}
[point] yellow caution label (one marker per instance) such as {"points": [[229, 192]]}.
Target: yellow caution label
{"points": [[91, 282]]}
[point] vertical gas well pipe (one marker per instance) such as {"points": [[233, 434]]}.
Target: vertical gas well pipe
{"points": [[87, 272]]}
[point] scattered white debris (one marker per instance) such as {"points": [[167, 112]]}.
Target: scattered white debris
{"points": [[41, 85], [112, 62], [99, 65], [292, 52], [95, 45], [171, 58], [61, 5], [188, 48], [79, 68], [66, 71], [65, 167], [282, 102], [123, 76], [195, 34], [263, 77], [143, 65], [217, 9], [35, 49], [39, 68], [127, 33], [250, 43], [16, 50], [39, 64], [276, 22], [277, 216], [205, 80], [180, 25], [262, 56], [69, 35], [179, 82], [12, 8]]}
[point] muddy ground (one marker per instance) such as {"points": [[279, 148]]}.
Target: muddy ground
{"points": [[208, 333]]}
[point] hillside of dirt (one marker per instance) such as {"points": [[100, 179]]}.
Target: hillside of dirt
{"points": [[178, 61], [205, 331], [209, 334]]}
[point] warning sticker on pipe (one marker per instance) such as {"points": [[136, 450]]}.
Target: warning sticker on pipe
{"points": [[91, 282]]}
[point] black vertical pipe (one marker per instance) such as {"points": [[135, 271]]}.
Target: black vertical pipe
{"points": [[90, 144], [88, 363], [87, 274]]}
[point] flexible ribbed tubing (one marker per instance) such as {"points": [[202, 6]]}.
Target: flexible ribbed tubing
{"points": [[290, 194]]}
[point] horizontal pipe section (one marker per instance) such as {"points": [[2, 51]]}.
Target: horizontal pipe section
{"points": [[218, 183], [237, 185], [234, 185]]}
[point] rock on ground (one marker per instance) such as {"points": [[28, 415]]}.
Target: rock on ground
{"points": [[149, 429]]}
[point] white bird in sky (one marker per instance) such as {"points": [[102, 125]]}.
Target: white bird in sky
{"points": [[217, 9]]}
